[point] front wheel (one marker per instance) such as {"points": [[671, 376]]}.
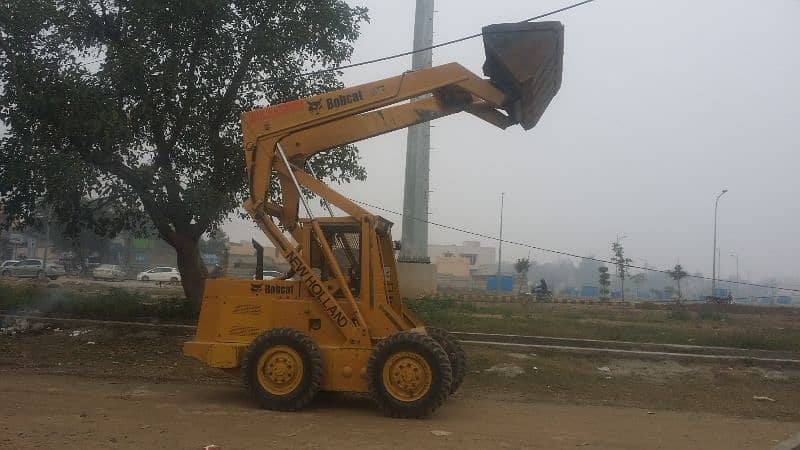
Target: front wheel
{"points": [[145, 278], [173, 280], [283, 369], [409, 375]]}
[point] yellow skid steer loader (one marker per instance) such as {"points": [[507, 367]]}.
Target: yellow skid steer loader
{"points": [[337, 322]]}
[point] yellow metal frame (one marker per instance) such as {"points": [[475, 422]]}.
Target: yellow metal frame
{"points": [[345, 326]]}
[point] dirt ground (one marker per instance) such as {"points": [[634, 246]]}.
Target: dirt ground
{"points": [[129, 387], [43, 411]]}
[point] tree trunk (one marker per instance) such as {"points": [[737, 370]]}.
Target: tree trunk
{"points": [[190, 264]]}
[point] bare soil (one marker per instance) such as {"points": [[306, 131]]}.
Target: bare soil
{"points": [[129, 387]]}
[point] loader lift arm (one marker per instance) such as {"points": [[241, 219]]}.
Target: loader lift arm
{"points": [[524, 65]]}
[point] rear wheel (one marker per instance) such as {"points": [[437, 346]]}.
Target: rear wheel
{"points": [[455, 353], [173, 280], [408, 375], [145, 278], [283, 369]]}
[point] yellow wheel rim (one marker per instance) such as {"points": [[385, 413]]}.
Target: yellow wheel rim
{"points": [[280, 370], [407, 376]]}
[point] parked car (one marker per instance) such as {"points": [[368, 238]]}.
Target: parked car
{"points": [[270, 275], [111, 272], [5, 268], [36, 268], [160, 274]]}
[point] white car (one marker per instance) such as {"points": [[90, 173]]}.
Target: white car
{"points": [[160, 274], [5, 268], [270, 275], [111, 272]]}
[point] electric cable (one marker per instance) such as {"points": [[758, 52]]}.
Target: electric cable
{"points": [[563, 253], [422, 49], [402, 54]]}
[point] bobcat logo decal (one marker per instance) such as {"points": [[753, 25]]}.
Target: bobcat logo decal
{"points": [[314, 107]]}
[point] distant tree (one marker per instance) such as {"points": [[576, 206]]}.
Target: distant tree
{"points": [[605, 282], [677, 273], [522, 266], [216, 244], [638, 279], [619, 260]]}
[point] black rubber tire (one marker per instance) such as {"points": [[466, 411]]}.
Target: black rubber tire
{"points": [[145, 278], [434, 355], [309, 385], [173, 280], [6, 273], [455, 353]]}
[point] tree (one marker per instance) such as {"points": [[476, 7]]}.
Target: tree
{"points": [[619, 260], [605, 282], [521, 266], [638, 279], [677, 273], [136, 105], [216, 244]]}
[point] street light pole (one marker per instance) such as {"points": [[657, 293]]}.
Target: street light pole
{"points": [[714, 253], [736, 289], [733, 255], [500, 244]]}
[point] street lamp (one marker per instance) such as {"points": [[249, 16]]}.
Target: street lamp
{"points": [[733, 255], [736, 289], [500, 244], [714, 253]]}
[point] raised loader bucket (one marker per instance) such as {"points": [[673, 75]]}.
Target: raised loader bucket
{"points": [[524, 60]]}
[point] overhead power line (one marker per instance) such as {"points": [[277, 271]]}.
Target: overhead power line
{"points": [[411, 52], [399, 55], [563, 253]]}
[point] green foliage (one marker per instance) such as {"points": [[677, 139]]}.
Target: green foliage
{"points": [[708, 313], [116, 304], [677, 273], [605, 282], [521, 266], [137, 105], [679, 314], [619, 260]]}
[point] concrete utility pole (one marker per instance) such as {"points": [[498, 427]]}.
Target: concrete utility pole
{"points": [[714, 255], [414, 242]]}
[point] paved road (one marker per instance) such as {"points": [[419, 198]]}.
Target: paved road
{"points": [[45, 411]]}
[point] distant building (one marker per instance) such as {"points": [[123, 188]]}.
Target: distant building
{"points": [[470, 266], [242, 259], [144, 253], [474, 253]]}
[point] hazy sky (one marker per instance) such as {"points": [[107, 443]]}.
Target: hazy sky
{"points": [[662, 105]]}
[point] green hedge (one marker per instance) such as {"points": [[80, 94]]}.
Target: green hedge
{"points": [[114, 304]]}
